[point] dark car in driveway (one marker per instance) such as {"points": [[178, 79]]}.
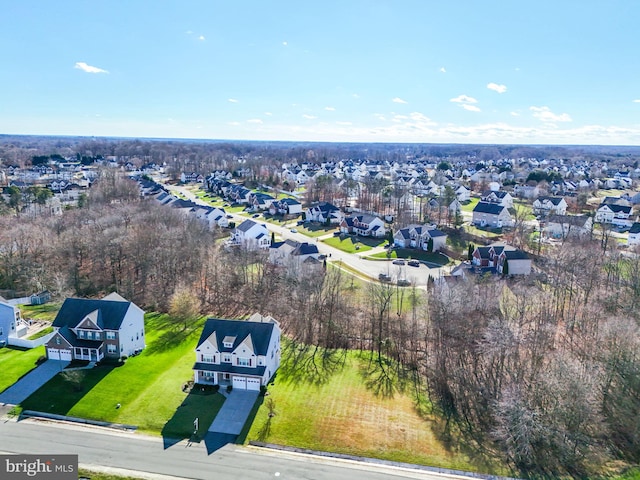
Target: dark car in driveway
{"points": [[383, 277], [398, 262], [413, 263]]}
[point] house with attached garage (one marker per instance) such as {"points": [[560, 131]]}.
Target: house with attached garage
{"points": [[634, 235], [568, 226], [11, 324], [251, 235], [86, 329], [549, 205], [417, 236], [619, 215], [492, 258], [322, 212], [241, 353], [486, 214], [364, 225]]}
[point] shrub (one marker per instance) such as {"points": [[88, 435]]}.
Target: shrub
{"points": [[41, 360], [229, 388]]}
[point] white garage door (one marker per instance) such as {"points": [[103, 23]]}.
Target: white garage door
{"points": [[253, 384], [239, 382], [59, 354]]}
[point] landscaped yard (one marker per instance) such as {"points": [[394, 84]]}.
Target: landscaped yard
{"points": [[470, 205], [148, 387], [46, 312], [14, 363], [334, 410], [316, 229], [353, 244], [414, 253]]}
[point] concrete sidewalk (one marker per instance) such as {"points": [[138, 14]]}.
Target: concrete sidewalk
{"points": [[234, 412], [32, 381]]}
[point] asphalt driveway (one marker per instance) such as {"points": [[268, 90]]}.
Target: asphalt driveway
{"points": [[32, 381], [234, 412]]}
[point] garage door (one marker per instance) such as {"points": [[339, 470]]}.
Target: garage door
{"points": [[253, 384], [59, 354], [239, 382]]}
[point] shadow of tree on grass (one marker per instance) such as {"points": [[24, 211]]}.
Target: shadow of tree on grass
{"points": [[310, 364]]}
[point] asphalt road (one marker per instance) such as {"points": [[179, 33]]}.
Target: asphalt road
{"points": [[130, 452]]}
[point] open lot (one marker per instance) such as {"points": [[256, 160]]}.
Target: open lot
{"points": [[341, 408]]}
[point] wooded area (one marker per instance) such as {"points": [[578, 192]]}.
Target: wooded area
{"points": [[541, 374]]}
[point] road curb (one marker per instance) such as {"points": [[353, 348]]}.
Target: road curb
{"points": [[84, 421], [376, 461]]}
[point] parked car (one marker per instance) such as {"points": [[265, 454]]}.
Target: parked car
{"points": [[229, 215], [403, 282], [383, 277], [413, 263], [294, 230], [256, 215], [398, 262]]}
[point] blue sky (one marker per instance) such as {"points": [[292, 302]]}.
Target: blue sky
{"points": [[557, 72]]}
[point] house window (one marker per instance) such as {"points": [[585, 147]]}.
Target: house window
{"points": [[58, 341], [111, 335], [111, 348], [207, 374], [1, 331], [89, 335], [208, 358], [261, 361], [80, 333], [97, 335], [226, 358], [244, 362]]}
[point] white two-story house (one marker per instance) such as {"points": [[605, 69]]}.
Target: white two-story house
{"points": [[241, 353], [251, 235]]}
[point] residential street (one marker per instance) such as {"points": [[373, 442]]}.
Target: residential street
{"points": [[139, 453]]}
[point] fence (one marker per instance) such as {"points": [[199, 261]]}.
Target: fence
{"points": [[24, 343]]}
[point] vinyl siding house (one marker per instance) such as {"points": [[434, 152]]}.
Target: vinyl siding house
{"points": [[549, 205], [486, 214], [618, 215], [501, 198], [322, 212], [285, 206], [568, 226], [292, 253], [11, 324], [417, 236], [364, 225], [241, 353], [492, 258], [86, 329], [634, 235], [251, 235]]}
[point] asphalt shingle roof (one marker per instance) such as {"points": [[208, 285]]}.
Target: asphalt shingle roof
{"points": [[260, 333], [73, 310]]}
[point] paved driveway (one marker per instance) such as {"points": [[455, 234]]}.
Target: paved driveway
{"points": [[234, 412], [32, 381]]}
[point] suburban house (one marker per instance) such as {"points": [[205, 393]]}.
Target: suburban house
{"points": [[251, 235], [322, 212], [291, 253], [501, 198], [486, 214], [211, 216], [634, 235], [285, 206], [568, 226], [241, 353], [191, 177], [417, 236], [260, 201], [463, 194], [493, 257], [11, 324], [86, 329], [364, 225], [615, 214], [549, 205]]}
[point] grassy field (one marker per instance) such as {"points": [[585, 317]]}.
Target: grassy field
{"points": [[46, 312], [92, 475], [468, 207], [352, 244], [148, 387], [14, 363], [482, 233], [333, 409], [430, 257], [316, 230]]}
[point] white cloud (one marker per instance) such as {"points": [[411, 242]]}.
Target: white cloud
{"points": [[471, 108], [232, 100], [515, 114], [637, 100], [545, 114], [345, 124], [254, 120], [268, 114], [443, 70], [330, 109], [496, 87], [285, 43], [234, 124], [88, 68], [201, 37], [379, 116], [463, 99], [355, 95], [398, 100], [309, 117], [188, 32]]}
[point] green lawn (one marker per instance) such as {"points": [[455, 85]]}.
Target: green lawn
{"points": [[316, 230], [332, 408], [470, 205], [148, 387], [14, 363], [430, 257], [491, 235], [41, 333], [92, 475], [352, 244], [46, 312]]}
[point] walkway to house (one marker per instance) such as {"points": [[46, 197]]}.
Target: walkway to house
{"points": [[32, 381], [234, 412]]}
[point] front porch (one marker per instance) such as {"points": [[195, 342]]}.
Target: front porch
{"points": [[89, 354]]}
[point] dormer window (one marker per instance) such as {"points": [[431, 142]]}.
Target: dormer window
{"points": [[228, 341]]}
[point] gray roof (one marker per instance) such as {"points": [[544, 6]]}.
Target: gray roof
{"points": [[260, 333], [246, 225], [516, 255], [635, 228], [73, 310], [487, 207]]}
